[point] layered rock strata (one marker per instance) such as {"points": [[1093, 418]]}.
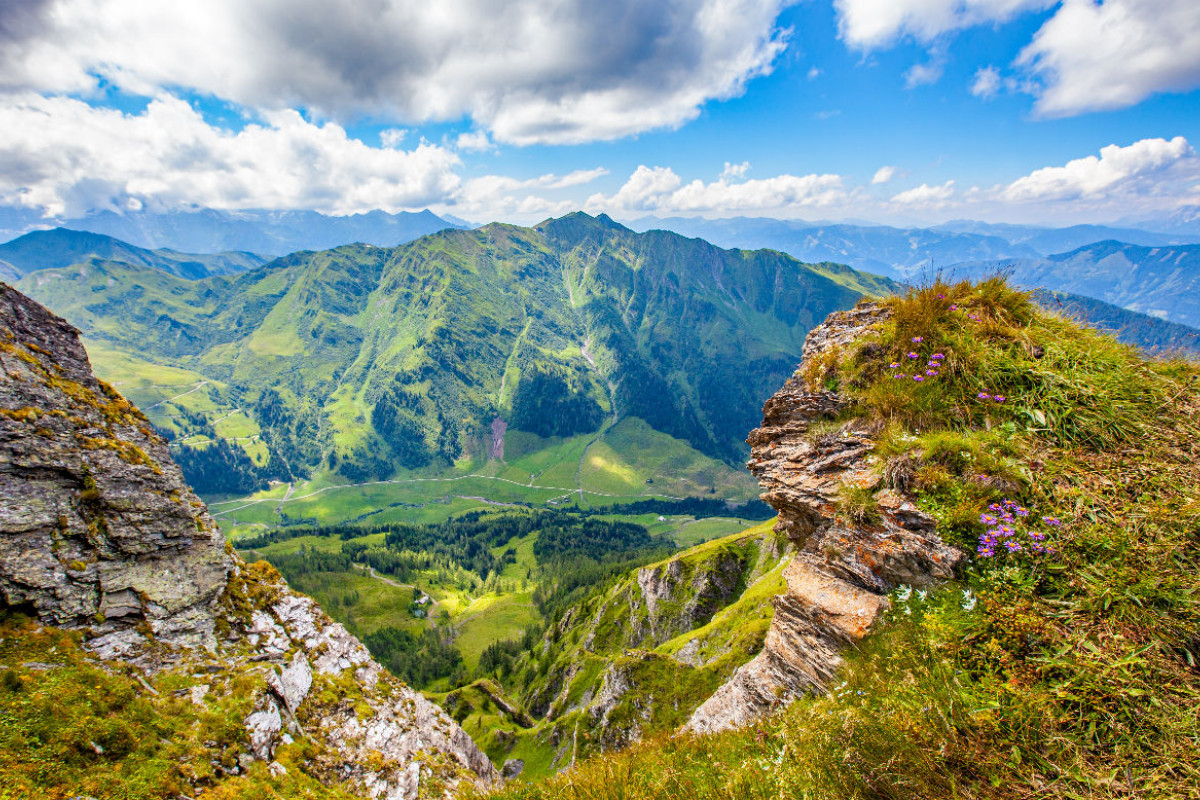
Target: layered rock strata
{"points": [[97, 528], [837, 584], [100, 534]]}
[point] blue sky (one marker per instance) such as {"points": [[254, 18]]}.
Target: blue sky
{"points": [[888, 110]]}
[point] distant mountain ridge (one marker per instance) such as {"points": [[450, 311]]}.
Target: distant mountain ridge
{"points": [[272, 233], [1163, 282], [59, 247], [902, 253], [1151, 334]]}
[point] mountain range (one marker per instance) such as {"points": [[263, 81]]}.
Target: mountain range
{"points": [[60, 247], [361, 361], [272, 233], [904, 253], [1162, 281]]}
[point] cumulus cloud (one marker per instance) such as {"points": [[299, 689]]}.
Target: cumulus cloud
{"points": [[1087, 56], [527, 71], [474, 141], [873, 23], [883, 175], [660, 190], [735, 171], [392, 137], [925, 195], [921, 74], [67, 157], [1146, 167], [1092, 56], [987, 83]]}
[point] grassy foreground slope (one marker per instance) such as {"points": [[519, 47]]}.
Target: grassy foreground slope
{"points": [[1064, 662]]}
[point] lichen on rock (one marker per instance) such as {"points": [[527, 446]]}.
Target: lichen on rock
{"points": [[99, 534]]}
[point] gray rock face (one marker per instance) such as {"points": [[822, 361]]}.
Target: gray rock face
{"points": [[97, 528], [99, 532], [842, 572], [372, 738]]}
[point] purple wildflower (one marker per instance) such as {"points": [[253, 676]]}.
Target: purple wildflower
{"points": [[931, 373], [918, 339], [937, 356], [918, 378], [913, 355], [984, 396], [999, 398]]}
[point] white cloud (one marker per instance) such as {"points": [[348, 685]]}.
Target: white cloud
{"points": [[67, 157], [874, 23], [925, 195], [735, 171], [392, 137], [883, 175], [813, 73], [987, 83], [1145, 167], [525, 70], [503, 197], [474, 141], [921, 74], [1092, 56], [660, 190]]}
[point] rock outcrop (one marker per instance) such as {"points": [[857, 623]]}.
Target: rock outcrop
{"points": [[837, 584], [97, 528], [100, 534]]}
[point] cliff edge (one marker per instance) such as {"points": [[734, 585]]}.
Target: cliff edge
{"points": [[806, 459], [100, 536]]}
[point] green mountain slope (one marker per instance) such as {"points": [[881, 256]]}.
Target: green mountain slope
{"points": [[60, 247], [631, 659], [364, 364]]}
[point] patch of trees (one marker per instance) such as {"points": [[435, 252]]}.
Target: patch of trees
{"points": [[546, 404], [568, 537], [220, 468], [499, 658], [291, 436], [698, 507], [396, 417], [416, 658]]}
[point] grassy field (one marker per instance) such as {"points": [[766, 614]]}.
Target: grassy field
{"points": [[629, 462], [168, 394]]}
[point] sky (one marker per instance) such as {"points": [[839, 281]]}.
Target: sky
{"points": [[899, 111]]}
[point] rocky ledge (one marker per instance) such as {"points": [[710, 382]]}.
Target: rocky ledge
{"points": [[837, 584], [100, 534]]}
